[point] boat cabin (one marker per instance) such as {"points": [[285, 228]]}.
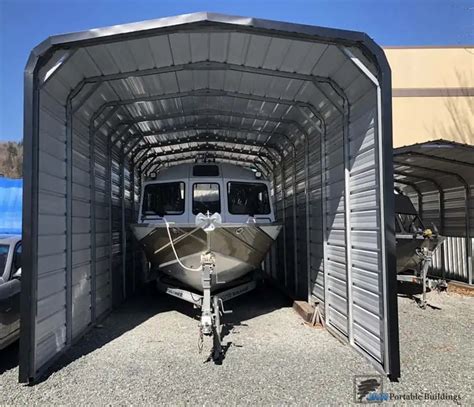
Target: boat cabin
{"points": [[407, 220], [181, 192]]}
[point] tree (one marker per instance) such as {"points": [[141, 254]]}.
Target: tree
{"points": [[11, 159]]}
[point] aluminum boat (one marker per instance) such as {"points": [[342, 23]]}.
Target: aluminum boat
{"points": [[189, 210], [414, 241]]}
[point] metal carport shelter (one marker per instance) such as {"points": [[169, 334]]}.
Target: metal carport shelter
{"points": [[308, 106], [438, 176]]}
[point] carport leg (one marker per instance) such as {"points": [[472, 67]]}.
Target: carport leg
{"points": [[295, 226], [347, 222], [110, 219], [324, 226], [123, 223], [132, 195], [424, 272], [469, 258], [69, 245], [283, 198], [93, 225], [307, 216], [441, 230]]}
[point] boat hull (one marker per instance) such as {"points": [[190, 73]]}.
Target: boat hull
{"points": [[407, 259], [238, 250]]}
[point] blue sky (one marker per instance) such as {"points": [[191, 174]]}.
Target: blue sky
{"points": [[25, 23]]}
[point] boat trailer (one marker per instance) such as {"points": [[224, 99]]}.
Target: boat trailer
{"points": [[212, 306], [420, 276]]}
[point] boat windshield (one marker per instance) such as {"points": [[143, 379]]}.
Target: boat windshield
{"points": [[163, 199], [206, 197], [3, 257], [410, 223], [248, 198]]}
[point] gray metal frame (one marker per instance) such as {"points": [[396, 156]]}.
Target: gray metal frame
{"points": [[216, 23], [409, 172]]}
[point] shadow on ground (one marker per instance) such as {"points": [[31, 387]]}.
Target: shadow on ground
{"points": [[9, 357], [414, 292], [140, 308], [409, 290]]}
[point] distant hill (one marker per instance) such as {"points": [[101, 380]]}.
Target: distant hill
{"points": [[11, 159]]}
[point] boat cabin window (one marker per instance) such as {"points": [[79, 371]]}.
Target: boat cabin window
{"points": [[163, 199], [246, 198], [410, 223], [206, 197]]}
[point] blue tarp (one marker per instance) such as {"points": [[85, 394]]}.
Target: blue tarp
{"points": [[11, 193]]}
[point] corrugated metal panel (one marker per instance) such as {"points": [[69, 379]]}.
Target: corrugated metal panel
{"points": [[449, 260], [335, 251], [80, 284], [315, 224], [50, 320], [102, 221], [455, 212], [365, 224]]}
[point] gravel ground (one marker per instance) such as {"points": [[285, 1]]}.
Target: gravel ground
{"points": [[146, 353]]}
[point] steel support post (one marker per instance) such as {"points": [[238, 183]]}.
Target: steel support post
{"points": [[93, 280], [324, 225], [109, 193], [283, 201], [348, 223], [295, 226], [133, 212], [123, 233], [69, 175], [307, 218]]}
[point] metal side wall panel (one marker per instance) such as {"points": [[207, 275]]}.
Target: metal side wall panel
{"points": [[81, 231], [453, 251], [301, 286], [315, 224], [280, 265], [50, 319], [335, 266], [289, 223], [366, 259], [102, 229]]}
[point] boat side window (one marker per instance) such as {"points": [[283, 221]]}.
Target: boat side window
{"points": [[248, 198], [163, 199], [4, 248], [206, 197], [17, 257], [398, 229]]}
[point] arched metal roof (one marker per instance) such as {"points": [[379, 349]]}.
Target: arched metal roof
{"points": [[256, 79]]}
